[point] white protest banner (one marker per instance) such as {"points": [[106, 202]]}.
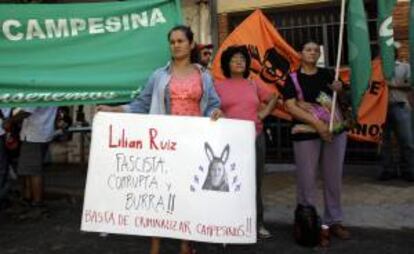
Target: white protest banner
{"points": [[169, 176]]}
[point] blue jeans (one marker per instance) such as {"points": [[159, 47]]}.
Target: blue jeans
{"points": [[398, 122]]}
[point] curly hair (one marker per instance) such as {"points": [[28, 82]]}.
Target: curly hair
{"points": [[228, 54]]}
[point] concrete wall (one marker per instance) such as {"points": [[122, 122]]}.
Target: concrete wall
{"points": [[228, 6], [196, 14]]}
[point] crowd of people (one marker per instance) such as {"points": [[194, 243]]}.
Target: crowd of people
{"points": [[184, 86]]}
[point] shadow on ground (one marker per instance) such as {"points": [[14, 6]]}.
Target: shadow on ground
{"points": [[59, 233]]}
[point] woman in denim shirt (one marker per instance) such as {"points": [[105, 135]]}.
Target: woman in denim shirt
{"points": [[155, 98], [179, 88]]}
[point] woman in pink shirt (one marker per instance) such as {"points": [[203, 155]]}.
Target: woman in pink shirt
{"points": [[180, 88], [244, 99]]}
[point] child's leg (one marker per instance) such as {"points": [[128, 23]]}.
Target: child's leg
{"points": [[155, 245], [27, 189], [185, 247]]}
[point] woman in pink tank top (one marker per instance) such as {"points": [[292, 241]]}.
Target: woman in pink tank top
{"points": [[188, 85], [185, 94]]}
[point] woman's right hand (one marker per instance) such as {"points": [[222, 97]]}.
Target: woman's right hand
{"points": [[323, 130], [216, 114], [105, 108]]}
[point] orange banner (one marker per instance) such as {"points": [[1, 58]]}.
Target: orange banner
{"points": [[272, 58], [373, 110]]}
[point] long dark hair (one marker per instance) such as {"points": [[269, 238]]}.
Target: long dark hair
{"points": [[190, 36], [228, 54]]}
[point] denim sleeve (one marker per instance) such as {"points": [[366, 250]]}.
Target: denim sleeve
{"points": [[212, 97], [142, 103]]}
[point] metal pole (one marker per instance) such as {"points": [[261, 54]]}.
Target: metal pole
{"points": [[338, 62]]}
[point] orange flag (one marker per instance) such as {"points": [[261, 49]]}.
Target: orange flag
{"points": [[373, 110], [272, 58]]}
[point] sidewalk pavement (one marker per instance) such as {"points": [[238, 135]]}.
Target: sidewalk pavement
{"points": [[380, 216], [366, 201]]}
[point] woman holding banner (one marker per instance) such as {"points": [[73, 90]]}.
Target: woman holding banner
{"points": [[307, 94], [179, 88], [242, 98]]}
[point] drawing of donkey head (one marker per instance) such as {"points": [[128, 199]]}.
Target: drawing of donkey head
{"points": [[217, 175]]}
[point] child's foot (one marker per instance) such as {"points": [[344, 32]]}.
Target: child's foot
{"points": [[187, 248], [155, 245]]}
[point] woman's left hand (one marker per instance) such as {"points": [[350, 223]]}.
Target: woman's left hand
{"points": [[336, 86], [216, 114], [262, 114]]}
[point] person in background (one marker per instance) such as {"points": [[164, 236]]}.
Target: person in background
{"points": [[62, 124], [182, 87], [318, 146], [245, 99], [37, 131], [205, 52], [4, 113], [398, 122]]}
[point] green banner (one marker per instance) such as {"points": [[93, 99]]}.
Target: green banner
{"points": [[359, 55], [411, 25], [386, 36], [62, 54]]}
